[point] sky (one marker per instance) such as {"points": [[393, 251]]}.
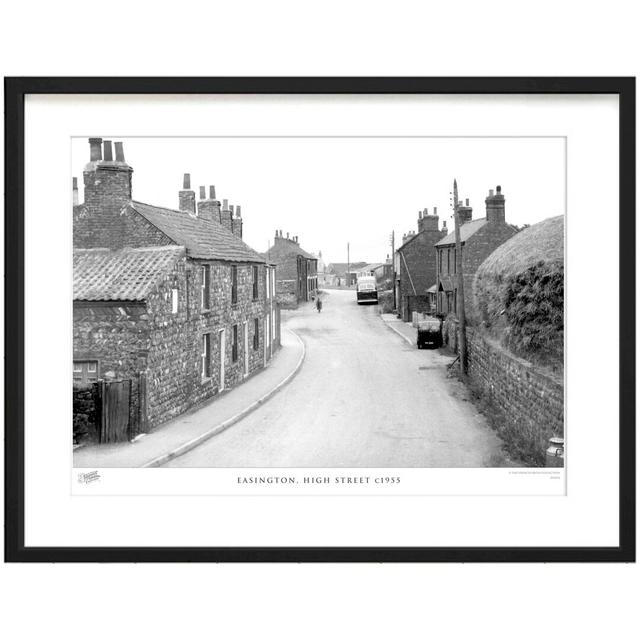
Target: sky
{"points": [[334, 191]]}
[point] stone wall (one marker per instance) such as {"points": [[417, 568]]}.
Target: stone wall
{"points": [[129, 339], [286, 293], [175, 383], [531, 399]]}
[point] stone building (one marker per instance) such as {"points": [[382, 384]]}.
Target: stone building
{"points": [[417, 265], [478, 239], [171, 296], [296, 271]]}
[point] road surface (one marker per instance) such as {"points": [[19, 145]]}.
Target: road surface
{"points": [[364, 397]]}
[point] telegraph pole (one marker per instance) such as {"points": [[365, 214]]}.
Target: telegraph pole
{"points": [[348, 267], [393, 267], [462, 318]]}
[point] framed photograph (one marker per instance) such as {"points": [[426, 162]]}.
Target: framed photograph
{"points": [[320, 319]]}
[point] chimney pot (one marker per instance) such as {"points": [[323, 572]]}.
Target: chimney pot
{"points": [[225, 204], [75, 184], [212, 192], [238, 213], [203, 193], [466, 202], [287, 235], [499, 189], [435, 211], [186, 181], [119, 152], [491, 193], [96, 149], [75, 192], [231, 209], [108, 151]]}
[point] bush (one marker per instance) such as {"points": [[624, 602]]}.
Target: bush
{"points": [[385, 301], [534, 310]]}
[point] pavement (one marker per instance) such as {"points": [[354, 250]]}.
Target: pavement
{"points": [[191, 429], [404, 329], [365, 397]]}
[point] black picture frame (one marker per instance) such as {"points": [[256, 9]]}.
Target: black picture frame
{"points": [[15, 91]]}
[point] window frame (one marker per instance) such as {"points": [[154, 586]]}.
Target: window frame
{"points": [[205, 288], [234, 284], [255, 275]]}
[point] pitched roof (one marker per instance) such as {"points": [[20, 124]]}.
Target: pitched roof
{"points": [[124, 274], [466, 231], [285, 248], [340, 268], [202, 238]]}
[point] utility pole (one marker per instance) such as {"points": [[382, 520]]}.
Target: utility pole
{"points": [[393, 267], [462, 319], [348, 267]]}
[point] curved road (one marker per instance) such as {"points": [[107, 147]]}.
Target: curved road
{"points": [[363, 398]]}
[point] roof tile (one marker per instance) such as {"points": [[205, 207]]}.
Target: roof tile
{"points": [[124, 274], [203, 238]]}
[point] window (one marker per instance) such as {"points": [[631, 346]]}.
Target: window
{"points": [[234, 284], [85, 371], [255, 283], [205, 287], [455, 258], [273, 282], [234, 344], [174, 301], [256, 334], [206, 355], [448, 260]]}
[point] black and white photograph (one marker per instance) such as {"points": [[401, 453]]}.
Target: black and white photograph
{"points": [[318, 302]]}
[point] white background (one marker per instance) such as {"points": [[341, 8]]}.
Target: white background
{"points": [[399, 38], [53, 517]]}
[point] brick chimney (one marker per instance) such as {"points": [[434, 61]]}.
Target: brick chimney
{"points": [[495, 206], [208, 208], [428, 222], [226, 216], [76, 199], [465, 212], [237, 223], [187, 197], [107, 182]]}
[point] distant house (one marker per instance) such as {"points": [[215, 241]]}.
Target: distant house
{"points": [[324, 278], [296, 270], [478, 238], [172, 297], [346, 273], [381, 271], [416, 261]]}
